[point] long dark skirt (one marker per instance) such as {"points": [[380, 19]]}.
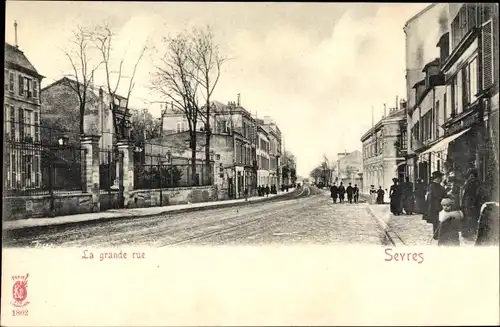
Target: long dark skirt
{"points": [[449, 233], [408, 204], [419, 205], [396, 205]]}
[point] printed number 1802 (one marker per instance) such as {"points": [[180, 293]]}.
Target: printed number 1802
{"points": [[20, 312]]}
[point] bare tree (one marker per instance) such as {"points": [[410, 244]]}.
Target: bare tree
{"points": [[103, 37], [208, 62], [175, 80], [79, 56]]}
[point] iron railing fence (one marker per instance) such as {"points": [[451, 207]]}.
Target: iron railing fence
{"points": [[156, 166], [40, 160]]}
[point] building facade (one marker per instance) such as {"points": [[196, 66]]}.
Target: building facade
{"points": [[348, 167], [384, 149], [61, 112], [425, 121], [263, 158], [22, 157], [236, 130], [469, 65]]}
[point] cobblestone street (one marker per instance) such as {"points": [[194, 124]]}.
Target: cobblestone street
{"points": [[309, 217]]}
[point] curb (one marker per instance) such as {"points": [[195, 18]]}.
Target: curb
{"points": [[392, 236], [131, 216]]}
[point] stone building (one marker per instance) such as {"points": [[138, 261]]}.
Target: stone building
{"points": [[235, 137], [426, 119], [422, 33], [471, 75], [22, 160], [263, 173], [348, 167], [384, 149], [61, 111], [463, 128]]}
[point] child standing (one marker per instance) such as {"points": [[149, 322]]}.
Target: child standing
{"points": [[449, 224]]}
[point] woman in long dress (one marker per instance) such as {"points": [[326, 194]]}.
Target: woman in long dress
{"points": [[395, 193]]}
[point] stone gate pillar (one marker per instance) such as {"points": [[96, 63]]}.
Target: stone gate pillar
{"points": [[125, 148], [90, 171]]}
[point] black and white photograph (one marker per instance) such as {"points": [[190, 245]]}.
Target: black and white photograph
{"points": [[162, 125]]}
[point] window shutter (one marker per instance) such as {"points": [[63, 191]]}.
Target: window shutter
{"points": [[487, 48], [21, 84]]}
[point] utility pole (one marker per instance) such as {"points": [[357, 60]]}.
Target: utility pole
{"points": [[231, 105]]}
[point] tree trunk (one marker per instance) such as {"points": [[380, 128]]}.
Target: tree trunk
{"points": [[82, 118], [193, 158]]}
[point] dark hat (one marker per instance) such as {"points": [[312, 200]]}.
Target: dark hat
{"points": [[394, 179], [437, 174]]}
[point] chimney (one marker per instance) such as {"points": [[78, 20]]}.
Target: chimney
{"points": [[385, 110], [15, 34], [397, 102], [239, 96]]}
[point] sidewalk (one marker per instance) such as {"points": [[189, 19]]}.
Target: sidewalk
{"points": [[410, 230], [131, 213]]}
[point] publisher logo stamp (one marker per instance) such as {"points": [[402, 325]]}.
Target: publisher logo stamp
{"points": [[20, 295]]}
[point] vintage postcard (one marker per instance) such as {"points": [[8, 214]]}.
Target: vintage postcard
{"points": [[230, 163]]}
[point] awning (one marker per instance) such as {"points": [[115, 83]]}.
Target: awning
{"points": [[441, 145]]}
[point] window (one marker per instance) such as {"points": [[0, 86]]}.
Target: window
{"points": [[11, 82], [36, 165], [181, 127], [27, 87], [28, 129], [21, 123], [473, 83], [403, 141], [37, 127], [488, 62], [14, 169], [35, 89], [465, 87], [21, 84], [12, 117], [445, 109], [436, 118]]}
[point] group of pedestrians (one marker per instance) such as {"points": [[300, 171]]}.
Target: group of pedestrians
{"points": [[451, 205], [453, 208], [402, 197], [339, 192], [377, 196], [266, 190]]}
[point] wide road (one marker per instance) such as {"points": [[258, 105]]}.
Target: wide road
{"points": [[308, 217]]}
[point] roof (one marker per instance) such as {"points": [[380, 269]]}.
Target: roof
{"points": [[443, 38], [421, 82], [435, 62], [66, 79], [420, 13], [16, 57]]}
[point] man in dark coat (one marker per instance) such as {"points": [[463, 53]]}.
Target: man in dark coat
{"points": [[268, 190], [395, 194], [341, 192], [356, 193], [380, 195], [471, 202], [334, 192], [350, 192], [420, 196], [408, 198], [435, 193]]}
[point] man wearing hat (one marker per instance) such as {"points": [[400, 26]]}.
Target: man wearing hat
{"points": [[435, 193], [472, 200]]}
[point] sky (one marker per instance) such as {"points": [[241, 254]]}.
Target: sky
{"points": [[316, 68]]}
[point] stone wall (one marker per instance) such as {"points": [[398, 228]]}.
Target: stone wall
{"points": [[180, 195], [39, 206]]}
